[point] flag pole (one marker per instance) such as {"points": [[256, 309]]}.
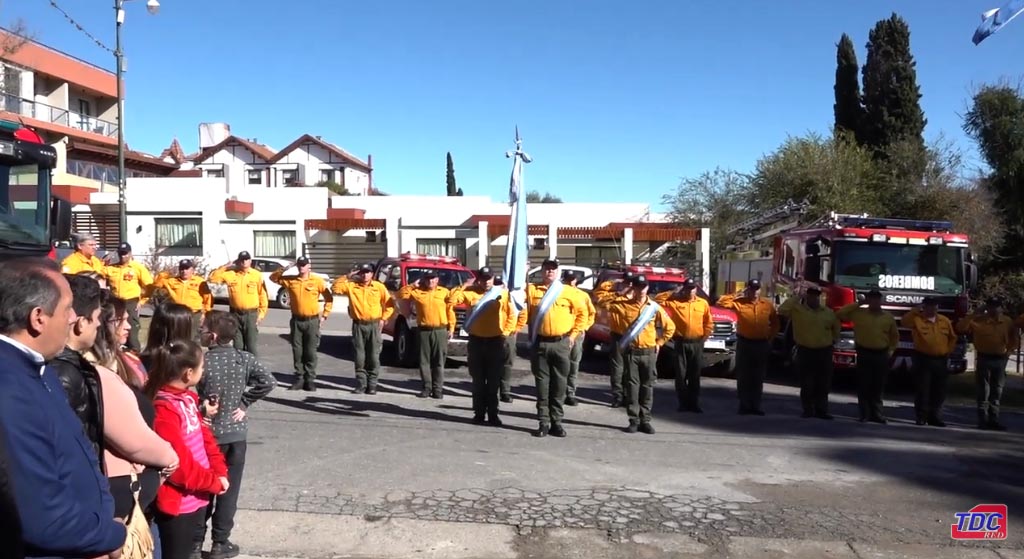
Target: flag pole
{"points": [[517, 245]]}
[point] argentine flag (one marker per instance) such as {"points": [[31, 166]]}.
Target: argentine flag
{"points": [[518, 245], [996, 19]]}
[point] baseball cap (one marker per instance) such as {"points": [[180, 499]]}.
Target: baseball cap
{"points": [[568, 275], [639, 281], [365, 268], [689, 284], [301, 261], [549, 263], [928, 301], [628, 276], [244, 255], [429, 274], [186, 264], [484, 273], [874, 294], [754, 284], [499, 280], [124, 248]]}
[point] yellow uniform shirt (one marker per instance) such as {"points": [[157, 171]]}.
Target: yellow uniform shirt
{"points": [[366, 301], [432, 308], [193, 292], [498, 319], [871, 330], [626, 310], [756, 319], [991, 335], [812, 328], [304, 294], [128, 281], [692, 318], [603, 294], [936, 338], [566, 317], [76, 263], [583, 298], [246, 290]]}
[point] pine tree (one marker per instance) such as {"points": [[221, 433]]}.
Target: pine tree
{"points": [[453, 190], [847, 108], [892, 109]]}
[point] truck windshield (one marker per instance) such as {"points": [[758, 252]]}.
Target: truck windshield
{"points": [[24, 204], [934, 268]]}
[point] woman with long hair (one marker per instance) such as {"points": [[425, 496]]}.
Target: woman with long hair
{"points": [[171, 322]]}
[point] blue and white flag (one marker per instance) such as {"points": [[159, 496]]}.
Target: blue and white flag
{"points": [[546, 302], [646, 315], [994, 20], [492, 295], [518, 245]]}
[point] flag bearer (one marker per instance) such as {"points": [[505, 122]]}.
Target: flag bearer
{"points": [[640, 344], [691, 316], [995, 337], [757, 324], [607, 291], [934, 339], [510, 354], [187, 289], [304, 292], [435, 319], [877, 337], [370, 306], [129, 280], [576, 354], [815, 331], [490, 322], [556, 322], [247, 296]]}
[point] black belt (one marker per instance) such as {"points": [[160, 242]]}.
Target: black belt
{"points": [[641, 350], [872, 350], [244, 311], [366, 322], [487, 338], [992, 356], [805, 348], [305, 317], [551, 339], [432, 328], [687, 340], [755, 340]]}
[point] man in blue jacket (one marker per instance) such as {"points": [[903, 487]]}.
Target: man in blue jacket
{"points": [[63, 501]]}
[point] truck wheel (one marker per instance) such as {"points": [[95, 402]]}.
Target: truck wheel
{"points": [[405, 346], [283, 300]]}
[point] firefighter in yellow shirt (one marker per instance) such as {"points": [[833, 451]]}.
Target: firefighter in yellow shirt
{"points": [[510, 355], [247, 296], [691, 316], [934, 339], [815, 331], [490, 321], [304, 292], [435, 322], [369, 305], [570, 279], [640, 344], [995, 337], [877, 337], [84, 258], [129, 280], [757, 323], [556, 323], [188, 289], [608, 290]]}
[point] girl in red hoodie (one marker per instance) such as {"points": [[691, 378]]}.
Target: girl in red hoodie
{"points": [[202, 472]]}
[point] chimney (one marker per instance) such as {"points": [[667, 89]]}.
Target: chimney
{"points": [[369, 163]]}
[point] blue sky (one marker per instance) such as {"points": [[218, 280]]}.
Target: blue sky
{"points": [[615, 100]]}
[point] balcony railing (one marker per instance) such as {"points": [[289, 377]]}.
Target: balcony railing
{"points": [[56, 115]]}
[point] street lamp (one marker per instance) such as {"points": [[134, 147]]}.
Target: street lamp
{"points": [[153, 6]]}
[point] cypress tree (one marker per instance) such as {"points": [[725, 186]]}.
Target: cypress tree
{"points": [[847, 108]]}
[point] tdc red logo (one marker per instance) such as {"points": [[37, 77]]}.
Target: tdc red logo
{"points": [[983, 522]]}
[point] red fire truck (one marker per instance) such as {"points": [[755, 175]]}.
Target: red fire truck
{"points": [[848, 255], [30, 217], [396, 273]]}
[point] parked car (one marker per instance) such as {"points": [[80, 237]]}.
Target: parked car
{"points": [[267, 266], [584, 276]]}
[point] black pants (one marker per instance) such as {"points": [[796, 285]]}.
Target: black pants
{"points": [[549, 361], [751, 366], [248, 334], [305, 335], [990, 376], [688, 364], [931, 375], [506, 373], [486, 365], [222, 508], [433, 355], [197, 322], [177, 533], [872, 368], [617, 366], [815, 366], [132, 308]]}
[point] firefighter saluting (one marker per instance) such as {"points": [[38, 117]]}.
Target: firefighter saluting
{"points": [[995, 337], [606, 291], [757, 324], [815, 330], [934, 339], [304, 292], [435, 319], [369, 306], [691, 316], [876, 337]]}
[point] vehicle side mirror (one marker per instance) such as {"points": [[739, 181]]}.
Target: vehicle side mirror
{"points": [[60, 220], [971, 274]]}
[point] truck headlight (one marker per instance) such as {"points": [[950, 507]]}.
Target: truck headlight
{"points": [[846, 342]]}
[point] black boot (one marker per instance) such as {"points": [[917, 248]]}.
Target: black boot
{"points": [[297, 383], [223, 550], [310, 385], [542, 431]]}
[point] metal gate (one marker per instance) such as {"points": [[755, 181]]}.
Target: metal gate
{"points": [[336, 259], [104, 226]]}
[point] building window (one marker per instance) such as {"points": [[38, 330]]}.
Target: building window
{"points": [[289, 177], [83, 108], [215, 173], [274, 244], [443, 247], [326, 175], [594, 256], [255, 176], [179, 236]]}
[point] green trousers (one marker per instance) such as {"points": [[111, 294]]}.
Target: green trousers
{"points": [[366, 342], [990, 377], [305, 333], [815, 366], [617, 366], [433, 352], [688, 363], [575, 357], [549, 361], [486, 360], [872, 370], [132, 307], [751, 366], [640, 368], [197, 322], [506, 373], [247, 336], [932, 376]]}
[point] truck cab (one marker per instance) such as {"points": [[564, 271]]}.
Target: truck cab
{"points": [[719, 349], [397, 272]]}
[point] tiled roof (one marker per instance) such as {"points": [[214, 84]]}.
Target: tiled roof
{"points": [[261, 150], [309, 139], [175, 152]]}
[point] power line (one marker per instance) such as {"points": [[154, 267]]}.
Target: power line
{"points": [[78, 26]]}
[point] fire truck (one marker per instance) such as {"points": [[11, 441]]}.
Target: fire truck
{"points": [[848, 255], [30, 217], [720, 348], [396, 273]]}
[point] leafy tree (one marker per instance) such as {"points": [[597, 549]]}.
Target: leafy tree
{"points": [[892, 109], [534, 197], [847, 108], [716, 199], [334, 187], [453, 190]]}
